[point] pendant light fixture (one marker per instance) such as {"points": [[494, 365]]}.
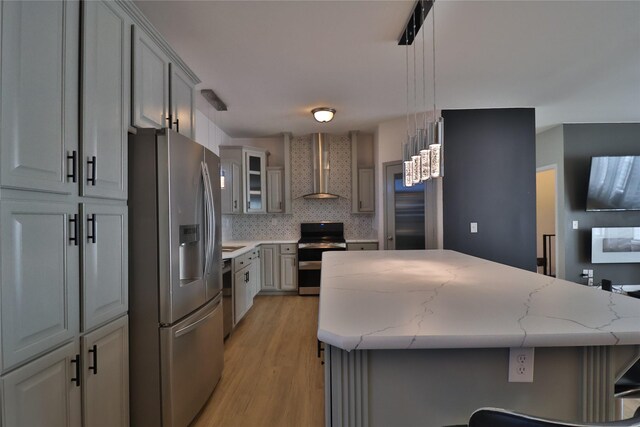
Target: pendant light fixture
{"points": [[423, 151], [323, 114]]}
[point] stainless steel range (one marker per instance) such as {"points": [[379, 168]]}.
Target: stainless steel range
{"points": [[316, 238]]}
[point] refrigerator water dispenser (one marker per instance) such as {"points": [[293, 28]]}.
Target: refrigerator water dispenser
{"points": [[191, 253]]}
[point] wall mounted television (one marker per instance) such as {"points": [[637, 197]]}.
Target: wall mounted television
{"points": [[614, 184]]}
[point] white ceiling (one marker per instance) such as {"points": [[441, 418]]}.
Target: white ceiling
{"points": [[271, 62]]}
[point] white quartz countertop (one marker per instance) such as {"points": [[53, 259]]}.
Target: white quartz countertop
{"points": [[248, 245], [445, 299]]}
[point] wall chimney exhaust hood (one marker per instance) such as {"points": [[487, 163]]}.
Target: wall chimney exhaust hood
{"points": [[321, 168]]}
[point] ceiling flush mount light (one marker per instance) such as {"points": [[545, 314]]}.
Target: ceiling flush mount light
{"points": [[323, 114]]}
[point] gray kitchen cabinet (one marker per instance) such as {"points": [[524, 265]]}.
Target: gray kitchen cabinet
{"points": [[275, 189], [105, 382], [243, 298], [39, 271], [362, 246], [254, 180], [104, 263], [40, 90], [270, 263], [150, 82], [366, 193], [230, 193], [288, 272], [255, 276], [182, 102], [45, 392], [106, 74]]}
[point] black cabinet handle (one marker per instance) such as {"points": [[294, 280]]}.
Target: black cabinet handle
{"points": [[170, 120], [360, 204], [91, 219], [73, 225], [91, 170], [74, 159], [177, 123], [235, 204], [76, 361], [246, 277], [94, 352]]}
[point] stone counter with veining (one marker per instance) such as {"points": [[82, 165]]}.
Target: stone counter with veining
{"points": [[440, 299]]}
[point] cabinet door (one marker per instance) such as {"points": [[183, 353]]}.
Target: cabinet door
{"points": [[274, 190], [270, 261], [106, 84], [39, 102], [106, 375], [150, 82], [44, 392], [366, 198], [288, 273], [39, 277], [182, 102], [254, 167], [105, 264], [256, 276], [240, 294], [230, 194]]}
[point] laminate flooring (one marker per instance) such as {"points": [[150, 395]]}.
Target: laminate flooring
{"points": [[271, 375]]}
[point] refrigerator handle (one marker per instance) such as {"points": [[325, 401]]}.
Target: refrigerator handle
{"points": [[212, 227], [207, 224]]}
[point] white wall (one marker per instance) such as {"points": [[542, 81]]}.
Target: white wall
{"points": [[208, 133], [550, 153]]}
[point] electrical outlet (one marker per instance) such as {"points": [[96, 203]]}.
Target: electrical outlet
{"points": [[575, 225], [521, 364], [474, 227]]}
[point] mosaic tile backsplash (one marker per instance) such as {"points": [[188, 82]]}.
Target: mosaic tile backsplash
{"points": [[287, 227]]}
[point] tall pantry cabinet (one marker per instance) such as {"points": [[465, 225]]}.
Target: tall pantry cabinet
{"points": [[63, 214]]}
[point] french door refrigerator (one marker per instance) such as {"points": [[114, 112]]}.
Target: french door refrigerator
{"points": [[175, 309]]}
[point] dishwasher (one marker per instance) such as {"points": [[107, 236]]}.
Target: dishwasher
{"points": [[227, 297]]}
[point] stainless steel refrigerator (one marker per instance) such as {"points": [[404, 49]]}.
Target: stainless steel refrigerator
{"points": [[175, 309]]}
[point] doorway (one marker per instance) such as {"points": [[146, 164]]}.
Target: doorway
{"points": [[546, 220], [404, 211]]}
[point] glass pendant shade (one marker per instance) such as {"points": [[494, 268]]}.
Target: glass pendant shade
{"points": [[416, 169], [437, 158], [408, 173]]}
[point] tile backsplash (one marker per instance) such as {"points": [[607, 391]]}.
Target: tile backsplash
{"points": [[287, 227]]}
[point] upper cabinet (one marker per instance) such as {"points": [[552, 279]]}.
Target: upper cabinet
{"points": [[182, 103], [255, 189], [150, 83], [40, 90], [362, 173], [163, 89], [106, 75], [230, 187]]}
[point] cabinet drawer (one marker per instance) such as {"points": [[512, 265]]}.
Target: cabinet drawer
{"points": [[241, 261], [362, 246], [289, 248]]}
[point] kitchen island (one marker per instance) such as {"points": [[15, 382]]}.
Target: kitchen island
{"points": [[423, 338]]}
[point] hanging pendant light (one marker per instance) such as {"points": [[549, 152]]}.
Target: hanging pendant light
{"points": [[407, 165], [437, 145]]}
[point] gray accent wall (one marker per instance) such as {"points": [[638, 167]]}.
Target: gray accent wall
{"points": [[489, 178], [581, 142]]}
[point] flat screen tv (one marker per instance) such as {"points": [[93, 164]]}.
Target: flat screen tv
{"points": [[614, 184]]}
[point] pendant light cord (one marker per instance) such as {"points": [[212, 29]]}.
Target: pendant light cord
{"points": [[415, 85], [407, 67], [433, 13], [424, 79]]}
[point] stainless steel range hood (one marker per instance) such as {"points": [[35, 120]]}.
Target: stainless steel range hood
{"points": [[321, 168]]}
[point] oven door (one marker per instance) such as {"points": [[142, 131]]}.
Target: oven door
{"points": [[310, 266]]}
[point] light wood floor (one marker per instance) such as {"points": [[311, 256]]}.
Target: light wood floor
{"points": [[271, 375]]}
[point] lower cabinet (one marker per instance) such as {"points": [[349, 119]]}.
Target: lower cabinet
{"points": [[362, 246], [74, 385], [105, 381], [288, 272], [45, 392], [254, 276], [270, 264], [243, 297]]}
